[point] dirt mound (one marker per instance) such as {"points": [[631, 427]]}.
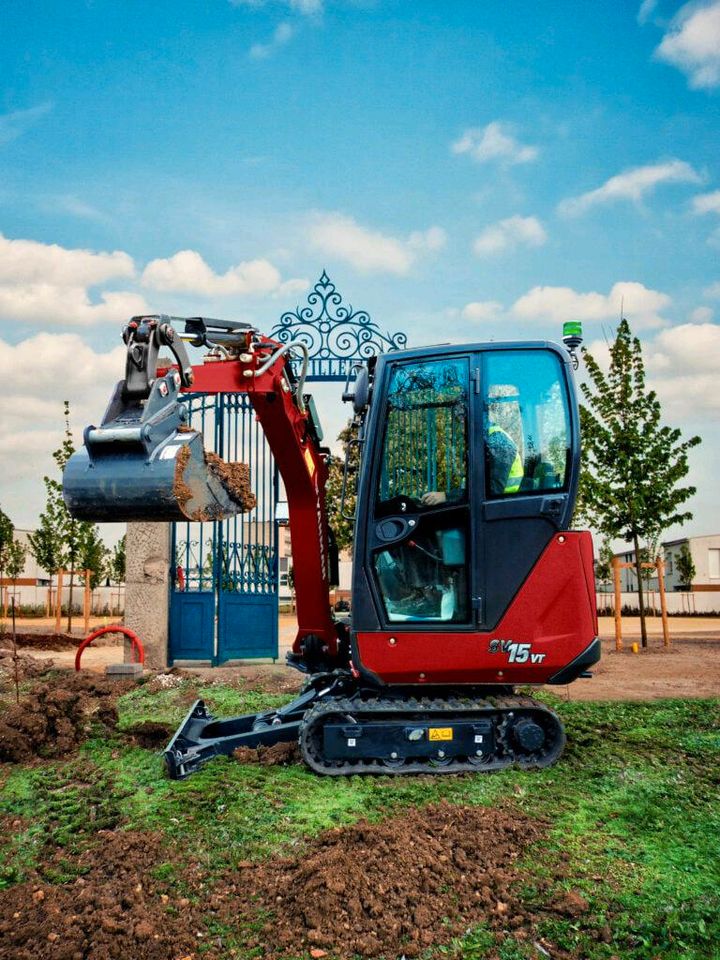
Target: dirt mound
{"points": [[53, 719], [149, 734], [279, 755], [29, 668], [395, 887], [116, 909], [40, 641]]}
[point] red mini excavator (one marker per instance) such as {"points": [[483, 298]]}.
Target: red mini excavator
{"points": [[466, 579]]}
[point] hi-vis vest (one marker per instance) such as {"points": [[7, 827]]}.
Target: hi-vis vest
{"points": [[517, 473]]}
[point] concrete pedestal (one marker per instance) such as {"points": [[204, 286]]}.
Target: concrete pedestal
{"points": [[147, 598]]}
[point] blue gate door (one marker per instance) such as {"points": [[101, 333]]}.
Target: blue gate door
{"points": [[224, 603]]}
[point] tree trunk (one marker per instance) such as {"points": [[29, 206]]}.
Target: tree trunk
{"points": [[70, 600], [638, 572]]}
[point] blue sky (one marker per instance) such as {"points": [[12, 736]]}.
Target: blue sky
{"points": [[464, 170]]}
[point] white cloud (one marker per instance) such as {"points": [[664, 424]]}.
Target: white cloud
{"points": [[481, 310], [308, 8], [14, 125], [433, 238], [693, 44], [640, 304], [48, 305], [187, 272], [702, 315], [37, 375], [631, 185], [510, 233], [707, 203], [76, 207], [684, 363], [647, 8], [713, 291], [370, 251], [494, 142], [282, 34], [27, 261], [48, 284]]}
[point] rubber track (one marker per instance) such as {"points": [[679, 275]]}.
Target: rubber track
{"points": [[438, 710]]}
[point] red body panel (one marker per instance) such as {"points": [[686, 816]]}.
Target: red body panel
{"points": [[554, 612]]}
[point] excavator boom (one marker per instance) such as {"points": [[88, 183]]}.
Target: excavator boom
{"points": [[145, 462]]}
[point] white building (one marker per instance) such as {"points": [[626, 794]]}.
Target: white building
{"points": [[705, 553]]}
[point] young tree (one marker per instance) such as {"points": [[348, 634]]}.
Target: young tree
{"points": [[15, 555], [57, 541], [116, 562], [603, 564], [92, 553], [685, 566], [342, 527], [7, 531], [633, 465]]}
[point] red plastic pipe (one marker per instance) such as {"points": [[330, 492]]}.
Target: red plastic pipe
{"points": [[113, 628]]}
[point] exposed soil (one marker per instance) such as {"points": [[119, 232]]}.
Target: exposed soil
{"points": [[149, 734], [53, 719], [40, 641], [688, 668], [116, 909], [28, 668], [235, 477], [181, 491], [279, 755], [395, 887]]}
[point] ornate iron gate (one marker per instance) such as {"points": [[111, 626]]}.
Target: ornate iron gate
{"points": [[224, 583], [223, 603]]}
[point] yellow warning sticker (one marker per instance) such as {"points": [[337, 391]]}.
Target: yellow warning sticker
{"points": [[440, 733], [309, 462]]}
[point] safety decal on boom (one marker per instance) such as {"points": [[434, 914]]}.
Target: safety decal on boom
{"points": [[516, 652]]}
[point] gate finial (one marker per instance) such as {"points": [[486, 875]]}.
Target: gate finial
{"points": [[334, 333]]}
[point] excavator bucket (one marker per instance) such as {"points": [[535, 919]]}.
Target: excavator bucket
{"points": [[115, 479], [144, 462]]}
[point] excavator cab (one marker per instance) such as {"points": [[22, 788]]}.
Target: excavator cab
{"points": [[469, 474]]}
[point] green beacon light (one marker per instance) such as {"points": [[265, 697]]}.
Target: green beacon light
{"points": [[572, 338]]}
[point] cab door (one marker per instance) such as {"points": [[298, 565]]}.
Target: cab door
{"points": [[528, 406], [414, 554]]}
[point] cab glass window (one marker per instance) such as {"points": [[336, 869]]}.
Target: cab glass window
{"points": [[424, 455], [426, 578], [526, 423]]}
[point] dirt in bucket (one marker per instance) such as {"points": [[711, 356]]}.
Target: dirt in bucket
{"points": [[235, 478]]}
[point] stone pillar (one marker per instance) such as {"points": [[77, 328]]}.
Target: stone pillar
{"points": [[147, 595]]}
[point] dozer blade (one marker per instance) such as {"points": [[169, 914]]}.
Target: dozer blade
{"points": [[119, 481]]}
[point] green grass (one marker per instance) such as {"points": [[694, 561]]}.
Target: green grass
{"points": [[632, 807], [170, 706]]}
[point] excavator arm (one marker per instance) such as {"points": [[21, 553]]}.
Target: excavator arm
{"points": [[145, 461]]}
